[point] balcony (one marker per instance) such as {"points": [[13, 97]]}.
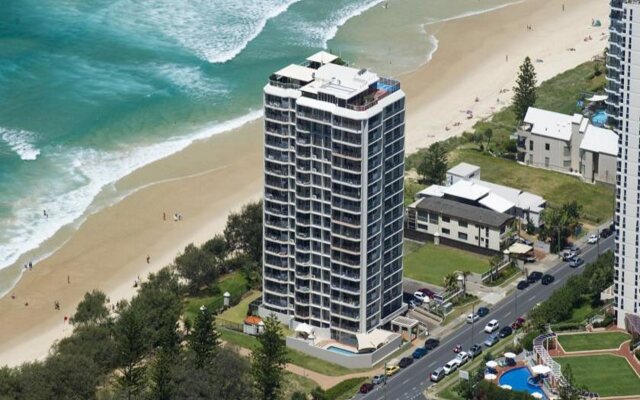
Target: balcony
{"points": [[383, 88]]}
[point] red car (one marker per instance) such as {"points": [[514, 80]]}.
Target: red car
{"points": [[517, 323], [366, 387], [427, 292]]}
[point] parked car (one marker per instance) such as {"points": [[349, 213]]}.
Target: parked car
{"points": [[471, 318], [568, 255], [427, 292], [593, 239], [391, 370], [431, 344], [530, 259], [379, 379], [517, 324], [462, 358], [492, 326], [419, 353], [405, 362], [575, 263], [605, 233], [523, 284], [475, 351], [505, 331], [482, 311], [437, 375], [491, 340], [366, 387], [419, 296], [548, 279], [534, 277], [450, 366]]}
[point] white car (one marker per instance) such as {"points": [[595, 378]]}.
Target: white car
{"points": [[420, 296], [462, 358], [593, 239], [450, 366], [492, 326], [471, 318]]}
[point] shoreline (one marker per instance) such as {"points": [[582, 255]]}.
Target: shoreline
{"points": [[215, 176]]}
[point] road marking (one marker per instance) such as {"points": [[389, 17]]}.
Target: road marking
{"points": [[405, 381], [507, 314], [532, 297]]}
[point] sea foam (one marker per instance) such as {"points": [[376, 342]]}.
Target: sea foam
{"points": [[21, 142]]}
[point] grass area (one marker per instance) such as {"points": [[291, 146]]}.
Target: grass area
{"points": [[430, 263], [607, 375], [505, 276], [592, 341], [583, 312], [296, 383], [239, 312], [557, 188], [295, 357], [345, 389], [235, 283]]}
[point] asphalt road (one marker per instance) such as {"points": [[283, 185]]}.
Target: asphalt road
{"points": [[410, 382]]}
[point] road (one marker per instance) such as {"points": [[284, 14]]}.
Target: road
{"points": [[410, 382]]}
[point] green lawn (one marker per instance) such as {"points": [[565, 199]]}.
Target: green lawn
{"points": [[295, 357], [592, 341], [583, 312], [607, 375], [430, 263], [235, 283], [557, 188], [238, 312]]}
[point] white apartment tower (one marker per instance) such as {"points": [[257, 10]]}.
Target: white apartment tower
{"points": [[623, 110], [333, 197]]}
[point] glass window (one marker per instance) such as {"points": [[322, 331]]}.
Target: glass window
{"points": [[445, 231], [462, 224], [446, 219], [547, 146], [462, 236]]}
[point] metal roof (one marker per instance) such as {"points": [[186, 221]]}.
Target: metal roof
{"points": [[463, 169], [600, 140], [549, 123], [463, 211]]}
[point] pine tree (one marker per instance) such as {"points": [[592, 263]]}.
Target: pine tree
{"points": [[204, 339], [525, 89], [161, 379], [130, 337], [433, 167], [268, 361]]}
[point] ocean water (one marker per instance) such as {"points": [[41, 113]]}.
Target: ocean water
{"points": [[91, 90]]}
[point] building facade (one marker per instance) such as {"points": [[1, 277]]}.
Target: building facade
{"points": [[623, 111], [333, 197]]}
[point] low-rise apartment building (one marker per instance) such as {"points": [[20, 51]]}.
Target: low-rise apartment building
{"points": [[568, 143]]}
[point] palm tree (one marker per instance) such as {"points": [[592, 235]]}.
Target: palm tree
{"points": [[451, 282], [494, 264], [464, 274]]}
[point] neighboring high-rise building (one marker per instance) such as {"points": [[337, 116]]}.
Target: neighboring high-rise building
{"points": [[333, 197], [623, 111]]}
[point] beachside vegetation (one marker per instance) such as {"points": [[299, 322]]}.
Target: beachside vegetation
{"points": [[433, 166], [560, 223], [268, 361], [431, 263], [524, 93]]}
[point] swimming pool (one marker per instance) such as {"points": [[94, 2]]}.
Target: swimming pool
{"points": [[340, 350], [599, 118], [518, 380]]}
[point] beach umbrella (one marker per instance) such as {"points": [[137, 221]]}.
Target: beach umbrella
{"points": [[509, 355], [506, 387], [541, 369], [537, 395], [491, 364], [490, 377]]}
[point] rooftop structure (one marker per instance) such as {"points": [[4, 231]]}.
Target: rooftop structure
{"points": [[462, 211]]}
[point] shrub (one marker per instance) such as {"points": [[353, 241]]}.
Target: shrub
{"points": [[344, 387], [567, 326], [608, 320], [527, 341]]}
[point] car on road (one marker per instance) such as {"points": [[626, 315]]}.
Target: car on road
{"points": [[605, 233], [569, 254], [492, 326], [379, 379], [517, 324], [405, 362], [391, 370], [366, 387], [475, 351], [522, 285], [437, 375], [593, 239], [431, 344], [491, 340], [472, 317], [505, 331], [482, 311], [419, 353], [450, 366], [427, 292], [534, 277], [462, 358], [548, 279], [576, 262]]}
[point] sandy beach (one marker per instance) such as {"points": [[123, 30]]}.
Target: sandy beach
{"points": [[477, 57]]}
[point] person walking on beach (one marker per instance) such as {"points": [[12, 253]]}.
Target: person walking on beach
{"points": [[148, 259], [164, 216], [68, 280]]}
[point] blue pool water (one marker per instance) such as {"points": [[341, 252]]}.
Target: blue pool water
{"points": [[599, 118], [340, 350], [518, 380]]}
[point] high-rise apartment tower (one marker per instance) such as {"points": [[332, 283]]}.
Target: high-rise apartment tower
{"points": [[333, 197]]}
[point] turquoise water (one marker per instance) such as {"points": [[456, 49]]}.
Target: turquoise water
{"points": [[518, 380], [91, 90], [340, 350], [599, 118]]}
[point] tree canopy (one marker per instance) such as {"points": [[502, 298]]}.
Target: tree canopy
{"points": [[433, 167], [525, 90]]}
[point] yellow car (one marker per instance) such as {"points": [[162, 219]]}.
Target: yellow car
{"points": [[391, 370]]}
